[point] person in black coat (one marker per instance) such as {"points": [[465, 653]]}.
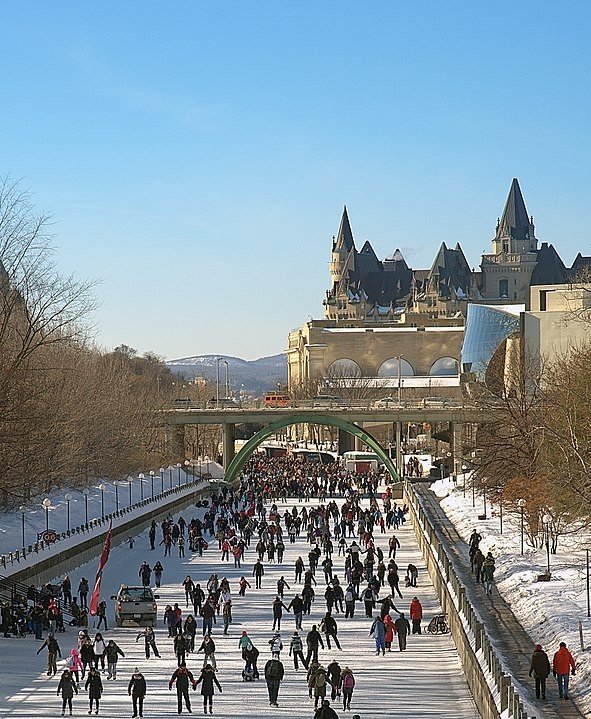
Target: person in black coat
{"points": [[403, 630], [137, 691], [207, 679], [94, 687], [67, 687], [182, 676], [325, 711], [274, 672], [540, 668]]}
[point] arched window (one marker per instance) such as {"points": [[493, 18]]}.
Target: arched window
{"points": [[389, 368], [503, 288], [444, 367], [344, 368]]}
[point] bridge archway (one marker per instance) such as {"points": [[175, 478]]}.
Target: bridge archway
{"points": [[239, 460]]}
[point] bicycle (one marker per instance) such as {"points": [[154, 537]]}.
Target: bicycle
{"points": [[438, 625]]}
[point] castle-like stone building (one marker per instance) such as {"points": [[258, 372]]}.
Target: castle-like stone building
{"points": [[386, 320]]}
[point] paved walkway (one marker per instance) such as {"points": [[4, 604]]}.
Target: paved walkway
{"points": [[514, 645]]}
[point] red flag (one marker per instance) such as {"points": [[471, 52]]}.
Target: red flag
{"points": [[94, 599]]}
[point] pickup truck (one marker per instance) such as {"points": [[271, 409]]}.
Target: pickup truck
{"points": [[135, 604]]}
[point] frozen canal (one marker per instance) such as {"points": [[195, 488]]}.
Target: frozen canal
{"points": [[425, 681]]}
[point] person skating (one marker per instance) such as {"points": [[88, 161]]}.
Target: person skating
{"points": [[296, 649], [540, 668], [297, 606], [207, 679], [112, 653], [181, 646], [347, 686], [149, 641], [317, 683], [313, 639], [257, 572], [403, 630], [325, 711], [94, 687], [53, 651], [563, 665], [274, 672], [278, 607], [378, 631], [182, 676], [208, 649], [330, 629], [276, 645], [137, 691], [333, 674], [67, 687]]}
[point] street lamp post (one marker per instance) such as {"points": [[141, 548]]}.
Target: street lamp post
{"points": [[102, 488], [473, 492], [206, 458], [22, 509], [141, 478], [161, 470], [217, 382], [400, 381], [129, 482], [178, 466], [152, 473], [501, 512], [521, 505], [547, 519], [187, 463], [68, 498], [464, 468], [116, 483], [47, 505], [588, 587], [85, 492], [484, 495]]}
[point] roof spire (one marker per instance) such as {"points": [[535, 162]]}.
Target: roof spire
{"points": [[514, 222], [344, 238]]}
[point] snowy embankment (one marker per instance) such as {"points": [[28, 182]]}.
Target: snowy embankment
{"points": [[92, 507], [550, 612]]}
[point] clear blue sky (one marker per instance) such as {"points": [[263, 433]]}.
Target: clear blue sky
{"points": [[196, 155]]}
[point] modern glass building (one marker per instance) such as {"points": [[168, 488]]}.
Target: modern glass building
{"points": [[487, 326]]}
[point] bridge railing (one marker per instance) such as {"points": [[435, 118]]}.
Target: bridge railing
{"points": [[492, 688]]}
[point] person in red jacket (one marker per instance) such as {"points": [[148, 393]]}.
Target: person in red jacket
{"points": [[563, 665], [416, 614]]}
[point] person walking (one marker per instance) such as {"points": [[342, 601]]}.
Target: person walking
{"points": [[53, 651], [67, 687], [101, 613], [158, 569], [347, 686], [403, 630], [274, 672], [333, 674], [296, 649], [317, 683], [325, 711], [313, 639], [416, 614], [112, 652], [540, 668], [487, 572], [207, 679], [297, 605], [136, 689], [563, 665], [278, 607], [182, 676], [94, 687], [83, 588]]}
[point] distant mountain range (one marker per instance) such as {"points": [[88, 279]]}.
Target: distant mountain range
{"points": [[255, 377]]}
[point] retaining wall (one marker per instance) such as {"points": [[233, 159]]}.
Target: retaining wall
{"points": [[493, 690]]}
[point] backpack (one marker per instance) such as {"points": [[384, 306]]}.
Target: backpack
{"points": [[274, 670], [348, 681], [349, 596], [320, 680]]}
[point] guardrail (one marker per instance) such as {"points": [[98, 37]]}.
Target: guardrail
{"points": [[83, 530], [493, 690]]}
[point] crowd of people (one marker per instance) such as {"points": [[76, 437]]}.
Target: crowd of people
{"points": [[346, 536]]}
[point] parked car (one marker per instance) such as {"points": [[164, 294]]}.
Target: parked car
{"points": [[222, 403], [328, 400], [135, 604], [387, 402]]}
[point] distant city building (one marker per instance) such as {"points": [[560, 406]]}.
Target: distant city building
{"points": [[386, 320]]}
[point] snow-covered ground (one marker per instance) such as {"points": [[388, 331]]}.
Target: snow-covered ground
{"points": [[551, 611], [425, 681], [11, 529]]}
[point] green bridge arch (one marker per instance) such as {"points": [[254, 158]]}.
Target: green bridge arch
{"points": [[239, 460]]}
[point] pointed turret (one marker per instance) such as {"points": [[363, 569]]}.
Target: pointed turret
{"points": [[344, 238], [515, 231]]}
